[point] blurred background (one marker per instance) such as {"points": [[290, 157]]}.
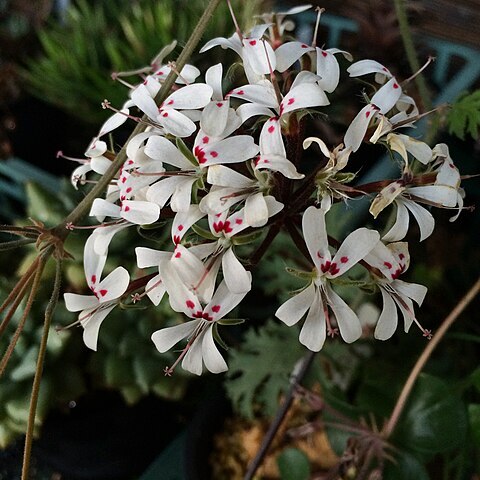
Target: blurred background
{"points": [[112, 414]]}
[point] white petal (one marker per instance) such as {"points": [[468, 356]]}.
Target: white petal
{"points": [[294, 308], [213, 77], [184, 220], [424, 218], [100, 164], [212, 358], [420, 150], [92, 325], [386, 97], [315, 234], [181, 197], [288, 53], [304, 96], [193, 360], [355, 247], [364, 67], [142, 99], [314, 330], [176, 123], [260, 55], [221, 199], [103, 208], [233, 42], [271, 142], [388, 321], [411, 290], [214, 118], [139, 212], [280, 164], [441, 194], [348, 322], [357, 129], [114, 122], [400, 227], [159, 148], [92, 262], [103, 236], [113, 285], [188, 267], [231, 150], [227, 177], [137, 141], [224, 301], [249, 110], [155, 290], [161, 191], [166, 338], [75, 302], [261, 94], [148, 257], [328, 69], [96, 149], [190, 97], [256, 211], [238, 280]]}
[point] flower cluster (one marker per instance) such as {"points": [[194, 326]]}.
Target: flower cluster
{"points": [[222, 168]]}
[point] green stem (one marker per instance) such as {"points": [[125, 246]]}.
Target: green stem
{"points": [[84, 206], [15, 244], [39, 370], [410, 50]]}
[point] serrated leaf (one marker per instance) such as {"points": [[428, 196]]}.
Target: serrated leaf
{"points": [[464, 116], [260, 370]]}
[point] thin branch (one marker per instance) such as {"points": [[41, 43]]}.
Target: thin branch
{"points": [[15, 244], [407, 388], [39, 369], [280, 416]]}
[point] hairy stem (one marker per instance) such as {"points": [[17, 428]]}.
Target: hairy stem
{"points": [[407, 388], [39, 370]]}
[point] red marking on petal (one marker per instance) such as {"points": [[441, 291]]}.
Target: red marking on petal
{"points": [[219, 104], [103, 292], [207, 317], [180, 228], [395, 85], [190, 304], [266, 161], [290, 101], [325, 266], [198, 314], [216, 308], [388, 264], [401, 256], [240, 92], [319, 256], [324, 53], [170, 102], [333, 269], [304, 45], [178, 254], [130, 162], [123, 197], [176, 239], [451, 165], [271, 129], [238, 221], [218, 227], [160, 72], [367, 113], [127, 208], [385, 69], [214, 154], [252, 42], [344, 259], [205, 139], [94, 279], [227, 228], [129, 189], [123, 179], [165, 114]]}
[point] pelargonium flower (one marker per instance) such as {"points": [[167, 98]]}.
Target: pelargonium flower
{"points": [[318, 297]]}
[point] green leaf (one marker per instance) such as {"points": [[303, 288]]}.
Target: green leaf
{"points": [[185, 151], [405, 467], [259, 371], [474, 419], [293, 465], [434, 420], [464, 116]]}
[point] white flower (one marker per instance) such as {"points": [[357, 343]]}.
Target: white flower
{"points": [[392, 260], [201, 349], [319, 296]]}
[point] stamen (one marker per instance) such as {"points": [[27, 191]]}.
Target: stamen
{"points": [[273, 78], [317, 23], [185, 173], [116, 78], [73, 159], [427, 63], [70, 226], [129, 73], [173, 67]]}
